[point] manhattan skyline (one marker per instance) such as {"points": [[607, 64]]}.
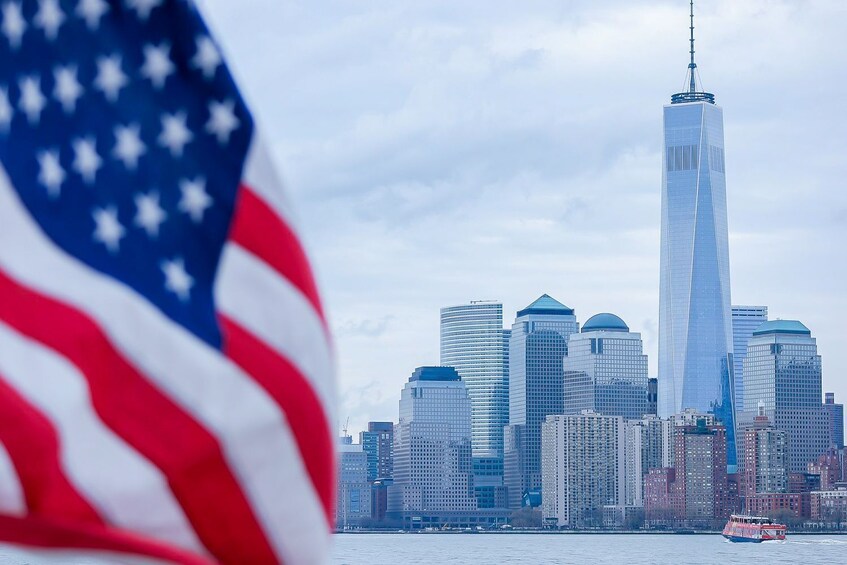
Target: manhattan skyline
{"points": [[503, 152]]}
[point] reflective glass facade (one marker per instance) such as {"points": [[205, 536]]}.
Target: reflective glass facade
{"points": [[745, 319], [474, 342], [695, 324]]}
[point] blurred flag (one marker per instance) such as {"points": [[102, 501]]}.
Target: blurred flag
{"points": [[166, 382]]}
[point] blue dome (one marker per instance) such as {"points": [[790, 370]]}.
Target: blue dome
{"points": [[605, 322]]}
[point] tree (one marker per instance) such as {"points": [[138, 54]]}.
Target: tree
{"points": [[526, 518]]}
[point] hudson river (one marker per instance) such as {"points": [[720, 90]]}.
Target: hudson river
{"points": [[432, 549]]}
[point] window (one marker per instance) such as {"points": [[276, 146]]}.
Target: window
{"points": [[682, 158]]}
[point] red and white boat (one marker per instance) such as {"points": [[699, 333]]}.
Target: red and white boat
{"points": [[753, 529]]}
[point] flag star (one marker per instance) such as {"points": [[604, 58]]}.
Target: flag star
{"points": [[67, 89], [149, 214], [86, 160], [222, 121], [91, 11], [128, 145], [195, 200], [110, 78], [31, 101], [109, 230], [49, 17], [207, 58], [6, 110], [51, 173], [157, 64], [14, 24], [177, 280], [175, 135], [143, 7]]}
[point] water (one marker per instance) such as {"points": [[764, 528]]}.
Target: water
{"points": [[433, 549]]}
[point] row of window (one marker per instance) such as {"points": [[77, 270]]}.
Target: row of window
{"points": [[687, 158]]}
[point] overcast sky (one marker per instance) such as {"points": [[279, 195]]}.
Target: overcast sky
{"points": [[442, 151]]}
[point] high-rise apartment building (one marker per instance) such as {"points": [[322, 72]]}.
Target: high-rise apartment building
{"points": [[582, 468], [647, 445], [745, 319], [606, 369], [835, 413], [782, 372], [763, 464], [472, 341], [377, 442], [695, 324], [433, 470], [701, 492], [538, 343], [353, 504]]}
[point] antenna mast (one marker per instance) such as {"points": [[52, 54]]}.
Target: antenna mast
{"points": [[692, 65], [692, 94]]}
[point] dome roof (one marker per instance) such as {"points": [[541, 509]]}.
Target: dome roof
{"points": [[605, 322]]}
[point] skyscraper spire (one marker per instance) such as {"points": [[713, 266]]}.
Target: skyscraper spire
{"points": [[692, 95]]}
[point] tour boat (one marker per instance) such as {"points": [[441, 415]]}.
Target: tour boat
{"points": [[753, 529]]}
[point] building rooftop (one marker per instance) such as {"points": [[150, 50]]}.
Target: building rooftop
{"points": [[545, 304], [605, 322], [434, 374], [782, 327]]}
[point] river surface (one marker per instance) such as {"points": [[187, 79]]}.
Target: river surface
{"points": [[594, 549]]}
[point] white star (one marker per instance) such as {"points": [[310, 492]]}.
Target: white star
{"points": [[128, 145], [175, 135], [109, 230], [51, 173], [31, 101], [177, 280], [207, 58], [6, 110], [222, 120], [110, 78], [49, 17], [143, 7], [91, 11], [157, 64], [194, 199], [14, 24], [86, 160], [67, 89], [149, 215]]}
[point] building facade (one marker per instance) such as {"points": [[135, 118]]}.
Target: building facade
{"points": [[538, 343], [472, 342], [835, 414], [433, 471], [647, 445], [782, 373], [763, 464], [695, 323], [353, 504], [582, 468], [745, 320], [378, 442], [605, 370]]}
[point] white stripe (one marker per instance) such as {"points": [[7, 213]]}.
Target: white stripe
{"points": [[10, 553], [11, 493], [291, 327], [251, 429], [261, 176], [124, 487]]}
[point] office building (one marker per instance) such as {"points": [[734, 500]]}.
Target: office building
{"points": [[377, 442], [582, 468], [538, 343], [472, 342], [745, 319], [353, 504], [782, 372], [835, 414], [652, 395], [605, 370], [695, 323], [433, 472]]}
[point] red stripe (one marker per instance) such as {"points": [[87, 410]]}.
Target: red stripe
{"points": [[33, 447], [257, 228], [188, 455], [294, 395], [53, 534]]}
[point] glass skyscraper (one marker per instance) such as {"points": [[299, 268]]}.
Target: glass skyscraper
{"points": [[474, 343], [745, 319], [695, 323]]}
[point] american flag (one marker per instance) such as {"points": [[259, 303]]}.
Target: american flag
{"points": [[166, 379]]}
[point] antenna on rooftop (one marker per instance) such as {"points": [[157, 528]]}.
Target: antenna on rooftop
{"points": [[692, 65]]}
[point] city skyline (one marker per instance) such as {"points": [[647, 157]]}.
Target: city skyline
{"points": [[553, 190]]}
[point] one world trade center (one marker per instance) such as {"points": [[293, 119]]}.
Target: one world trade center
{"points": [[695, 316]]}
